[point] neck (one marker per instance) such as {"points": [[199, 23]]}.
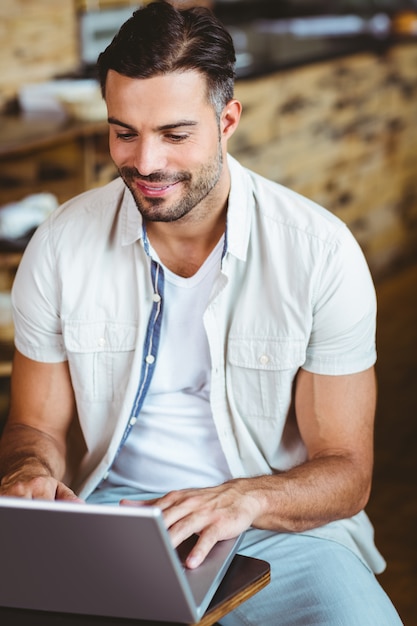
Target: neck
{"points": [[183, 248], [184, 245]]}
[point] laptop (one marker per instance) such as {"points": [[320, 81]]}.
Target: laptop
{"points": [[102, 560]]}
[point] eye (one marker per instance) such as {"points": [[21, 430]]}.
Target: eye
{"points": [[177, 138], [125, 136]]}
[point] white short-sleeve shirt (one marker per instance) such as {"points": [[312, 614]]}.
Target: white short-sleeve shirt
{"points": [[294, 291]]}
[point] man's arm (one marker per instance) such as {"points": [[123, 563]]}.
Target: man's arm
{"points": [[33, 444], [335, 415]]}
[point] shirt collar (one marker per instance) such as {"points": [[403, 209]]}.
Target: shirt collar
{"points": [[240, 209], [132, 220]]}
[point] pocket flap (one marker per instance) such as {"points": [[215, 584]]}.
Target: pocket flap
{"points": [[266, 353], [80, 336]]}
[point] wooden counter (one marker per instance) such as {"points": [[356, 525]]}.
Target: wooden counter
{"points": [[53, 154]]}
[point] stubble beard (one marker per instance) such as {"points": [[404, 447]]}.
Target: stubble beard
{"points": [[196, 188]]}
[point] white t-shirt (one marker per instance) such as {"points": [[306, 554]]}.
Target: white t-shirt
{"points": [[174, 444]]}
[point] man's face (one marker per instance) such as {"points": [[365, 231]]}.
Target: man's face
{"points": [[166, 141]]}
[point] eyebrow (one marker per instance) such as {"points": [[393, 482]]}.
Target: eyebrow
{"points": [[179, 124]]}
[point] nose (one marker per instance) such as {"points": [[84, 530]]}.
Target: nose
{"points": [[149, 156]]}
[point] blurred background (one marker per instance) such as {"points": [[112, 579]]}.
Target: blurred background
{"points": [[329, 91]]}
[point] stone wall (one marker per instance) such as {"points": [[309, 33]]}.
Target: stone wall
{"points": [[343, 133], [38, 41]]}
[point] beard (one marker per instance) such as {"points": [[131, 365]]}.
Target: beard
{"points": [[197, 186]]}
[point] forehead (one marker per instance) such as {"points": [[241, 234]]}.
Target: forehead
{"points": [[179, 92]]}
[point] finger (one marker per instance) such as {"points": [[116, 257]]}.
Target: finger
{"points": [[36, 488], [127, 502], [165, 503], [65, 493], [183, 507], [196, 522], [207, 540]]}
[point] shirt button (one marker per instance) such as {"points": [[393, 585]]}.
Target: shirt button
{"points": [[101, 342], [133, 421], [264, 359], [150, 359], [156, 297]]}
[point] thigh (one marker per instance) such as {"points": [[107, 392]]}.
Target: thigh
{"points": [[313, 582]]}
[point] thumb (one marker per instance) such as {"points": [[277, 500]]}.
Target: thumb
{"points": [[65, 493]]}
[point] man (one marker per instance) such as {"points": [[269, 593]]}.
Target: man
{"points": [[194, 330]]}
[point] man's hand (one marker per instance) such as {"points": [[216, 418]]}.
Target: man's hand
{"points": [[214, 514], [24, 484]]}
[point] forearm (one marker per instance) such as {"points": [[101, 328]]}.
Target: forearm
{"points": [[33, 447], [324, 489], [26, 451], [310, 495]]}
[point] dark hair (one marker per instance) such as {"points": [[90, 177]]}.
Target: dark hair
{"points": [[160, 39]]}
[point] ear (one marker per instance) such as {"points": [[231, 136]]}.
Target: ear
{"points": [[230, 118]]}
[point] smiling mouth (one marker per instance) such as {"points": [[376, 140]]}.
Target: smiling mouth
{"points": [[155, 190]]}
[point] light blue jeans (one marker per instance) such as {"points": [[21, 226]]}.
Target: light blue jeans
{"points": [[313, 581]]}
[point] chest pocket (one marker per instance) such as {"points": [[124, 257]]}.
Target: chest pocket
{"points": [[260, 374], [100, 357]]}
